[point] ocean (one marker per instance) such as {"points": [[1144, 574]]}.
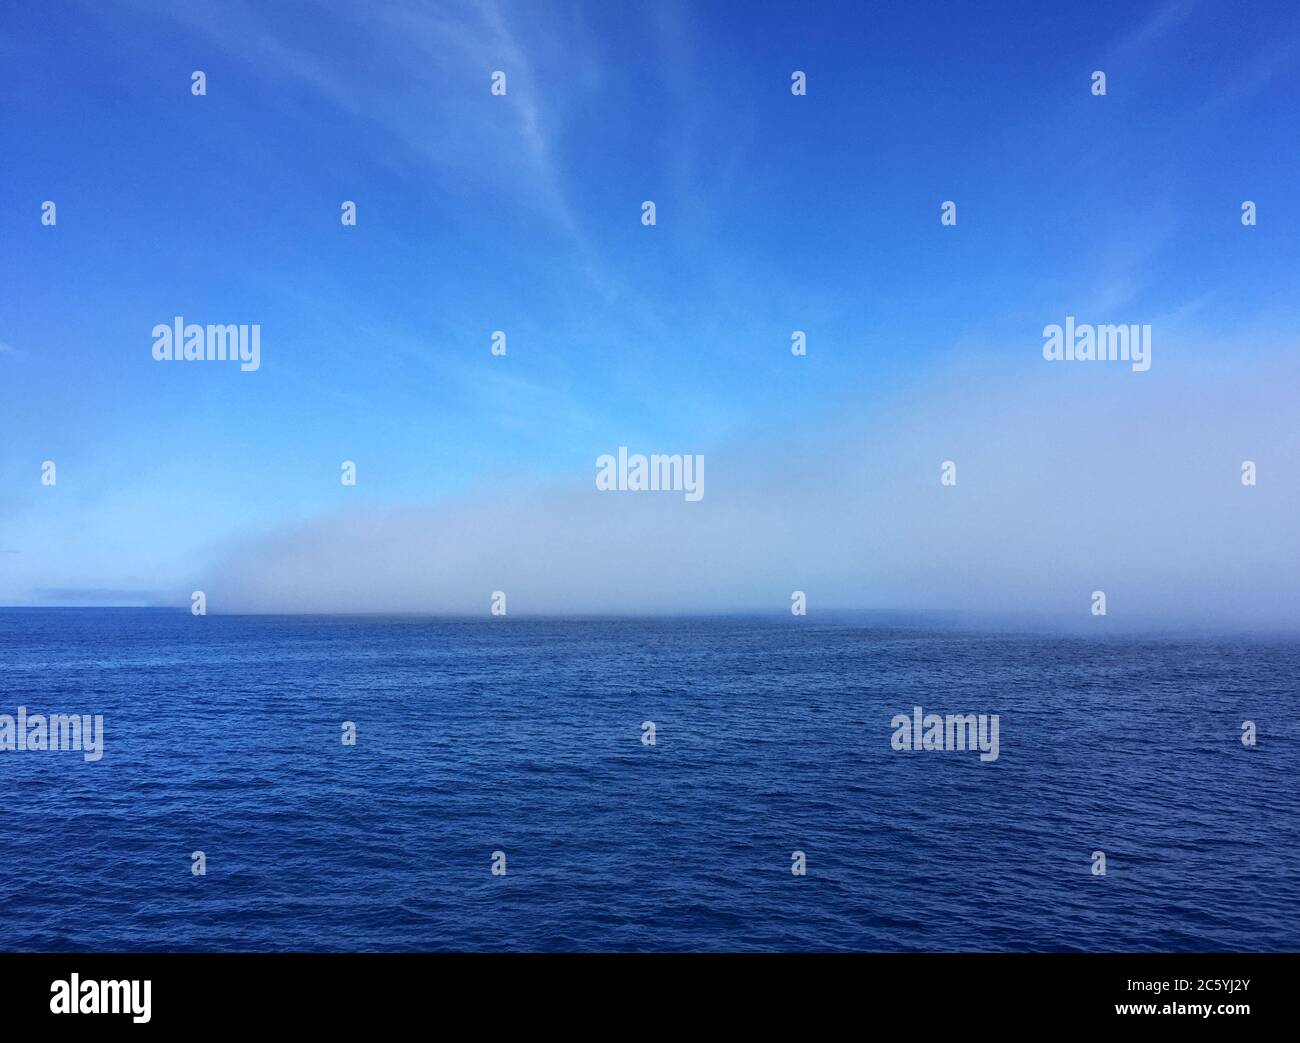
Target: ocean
{"points": [[520, 743]]}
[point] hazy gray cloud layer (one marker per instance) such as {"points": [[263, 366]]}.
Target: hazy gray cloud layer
{"points": [[1071, 478]]}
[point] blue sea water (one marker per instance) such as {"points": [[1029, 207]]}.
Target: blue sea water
{"points": [[222, 734]]}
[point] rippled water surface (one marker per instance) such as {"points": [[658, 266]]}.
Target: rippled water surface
{"points": [[222, 734]]}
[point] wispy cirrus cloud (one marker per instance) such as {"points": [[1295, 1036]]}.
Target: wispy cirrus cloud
{"points": [[422, 76]]}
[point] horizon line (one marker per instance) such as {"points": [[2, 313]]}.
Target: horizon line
{"points": [[948, 619]]}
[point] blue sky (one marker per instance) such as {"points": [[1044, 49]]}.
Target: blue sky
{"points": [[522, 213]]}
